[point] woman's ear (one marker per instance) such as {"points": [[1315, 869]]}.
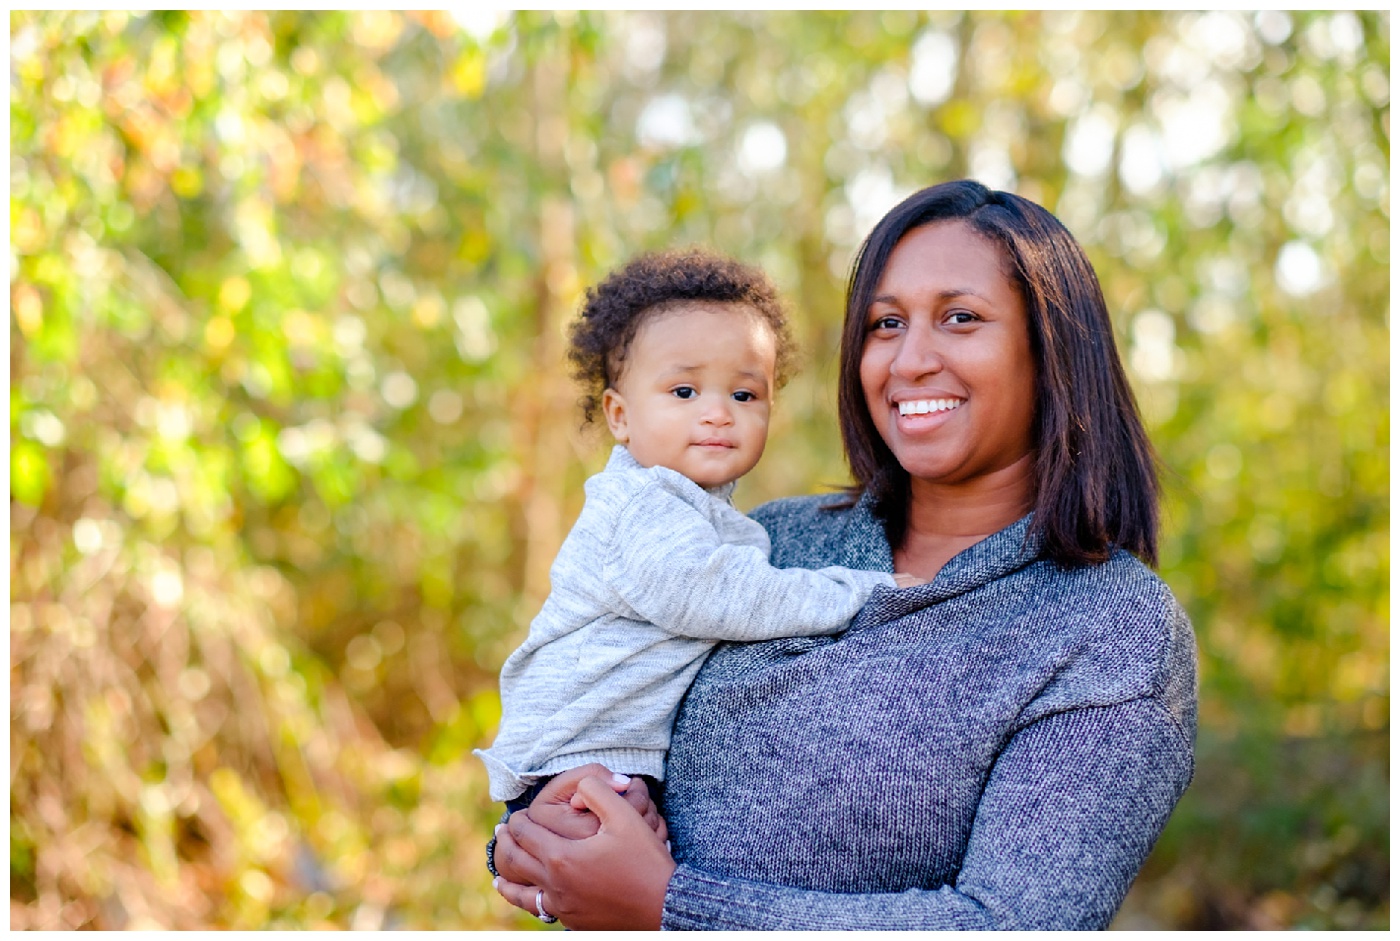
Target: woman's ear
{"points": [[615, 411]]}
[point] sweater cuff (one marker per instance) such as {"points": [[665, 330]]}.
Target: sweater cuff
{"points": [[504, 783], [863, 580], [697, 901], [629, 761], [693, 902]]}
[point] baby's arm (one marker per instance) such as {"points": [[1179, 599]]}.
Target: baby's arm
{"points": [[669, 565]]}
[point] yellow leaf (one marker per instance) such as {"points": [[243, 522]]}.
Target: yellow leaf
{"points": [[476, 246], [29, 472], [234, 293], [187, 182], [469, 73], [218, 333], [28, 307], [26, 229]]}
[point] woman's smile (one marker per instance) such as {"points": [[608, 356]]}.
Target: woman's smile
{"points": [[927, 406], [925, 413]]}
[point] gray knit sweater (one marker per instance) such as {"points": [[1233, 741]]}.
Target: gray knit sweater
{"points": [[655, 571], [999, 748]]}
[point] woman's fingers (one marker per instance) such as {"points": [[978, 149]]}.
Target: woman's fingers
{"points": [[562, 786], [614, 813], [538, 842], [564, 820], [521, 896], [639, 796], [652, 816], [514, 863]]}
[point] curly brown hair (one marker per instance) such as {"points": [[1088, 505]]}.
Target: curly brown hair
{"points": [[651, 284]]}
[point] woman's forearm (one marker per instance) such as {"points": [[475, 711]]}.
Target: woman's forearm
{"points": [[1070, 812]]}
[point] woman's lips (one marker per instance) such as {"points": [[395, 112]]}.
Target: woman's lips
{"points": [[913, 416]]}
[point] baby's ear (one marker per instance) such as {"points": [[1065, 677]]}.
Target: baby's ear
{"points": [[615, 412]]}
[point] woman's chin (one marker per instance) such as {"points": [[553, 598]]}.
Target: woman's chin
{"points": [[931, 470], [926, 460], [968, 471]]}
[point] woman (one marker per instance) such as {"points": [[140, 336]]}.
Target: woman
{"points": [[999, 748]]}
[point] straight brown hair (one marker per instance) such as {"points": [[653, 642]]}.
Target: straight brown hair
{"points": [[1095, 476]]}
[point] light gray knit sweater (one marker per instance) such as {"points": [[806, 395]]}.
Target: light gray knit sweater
{"points": [[655, 571], [999, 748]]}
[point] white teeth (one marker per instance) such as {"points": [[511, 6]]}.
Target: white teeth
{"points": [[924, 406]]}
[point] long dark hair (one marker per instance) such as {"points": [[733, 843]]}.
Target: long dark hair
{"points": [[1095, 480]]}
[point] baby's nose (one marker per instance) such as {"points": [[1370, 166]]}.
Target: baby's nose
{"points": [[717, 413]]}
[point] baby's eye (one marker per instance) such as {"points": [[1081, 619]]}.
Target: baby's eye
{"points": [[684, 392], [744, 395]]}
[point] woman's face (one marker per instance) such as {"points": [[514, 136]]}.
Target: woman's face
{"points": [[947, 367]]}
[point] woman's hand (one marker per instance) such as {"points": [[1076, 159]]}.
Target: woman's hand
{"points": [[614, 879]]}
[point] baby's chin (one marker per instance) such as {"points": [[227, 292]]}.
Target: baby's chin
{"points": [[709, 479]]}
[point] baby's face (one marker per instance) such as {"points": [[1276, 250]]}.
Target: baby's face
{"points": [[695, 392]]}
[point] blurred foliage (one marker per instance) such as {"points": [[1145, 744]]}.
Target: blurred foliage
{"points": [[292, 446]]}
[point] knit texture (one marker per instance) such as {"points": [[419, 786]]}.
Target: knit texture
{"points": [[655, 571], [997, 749]]}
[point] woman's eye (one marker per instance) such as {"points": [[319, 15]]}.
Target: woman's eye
{"points": [[886, 323], [962, 316], [743, 395], [683, 392]]}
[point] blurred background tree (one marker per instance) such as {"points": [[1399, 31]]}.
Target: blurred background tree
{"points": [[292, 444]]}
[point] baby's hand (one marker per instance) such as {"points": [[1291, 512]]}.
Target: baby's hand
{"points": [[564, 820], [905, 580]]}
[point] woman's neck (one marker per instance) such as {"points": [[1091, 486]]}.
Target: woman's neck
{"points": [[945, 519]]}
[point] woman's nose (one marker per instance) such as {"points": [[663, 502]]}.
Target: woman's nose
{"points": [[918, 355]]}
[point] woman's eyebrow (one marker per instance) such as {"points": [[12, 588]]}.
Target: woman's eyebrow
{"points": [[944, 295]]}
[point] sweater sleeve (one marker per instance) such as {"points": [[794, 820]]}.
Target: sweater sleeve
{"points": [[1070, 811], [668, 564]]}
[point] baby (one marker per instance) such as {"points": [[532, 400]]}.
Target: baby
{"points": [[682, 352]]}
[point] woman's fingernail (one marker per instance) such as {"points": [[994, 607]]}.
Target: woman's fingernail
{"points": [[499, 828], [621, 779], [496, 883]]}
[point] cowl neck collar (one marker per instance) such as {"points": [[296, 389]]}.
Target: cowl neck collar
{"points": [[1001, 553]]}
